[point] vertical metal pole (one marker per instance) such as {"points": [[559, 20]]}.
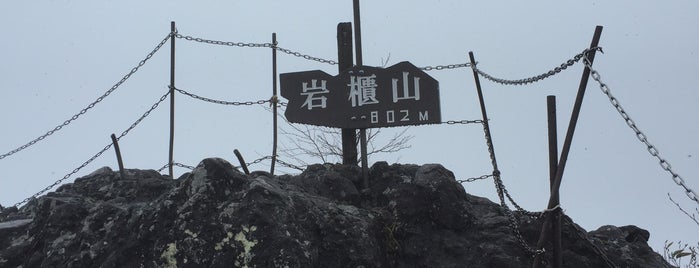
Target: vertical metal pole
{"points": [[344, 62], [273, 102], [553, 165], [357, 32], [484, 113], [243, 165], [574, 119], [172, 97], [362, 132], [556, 185], [115, 142]]}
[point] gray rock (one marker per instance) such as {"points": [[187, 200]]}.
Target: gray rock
{"points": [[216, 216]]}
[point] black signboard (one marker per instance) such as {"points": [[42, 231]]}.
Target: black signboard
{"points": [[362, 97]]}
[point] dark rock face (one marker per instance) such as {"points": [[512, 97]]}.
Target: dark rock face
{"points": [[215, 216]]}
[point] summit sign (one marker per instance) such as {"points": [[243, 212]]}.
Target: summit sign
{"points": [[362, 97]]}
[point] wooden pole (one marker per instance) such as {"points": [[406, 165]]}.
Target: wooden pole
{"points": [[556, 184], [274, 102], [344, 62], [115, 142], [172, 98]]}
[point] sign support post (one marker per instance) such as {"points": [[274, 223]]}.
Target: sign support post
{"points": [[344, 62], [362, 131]]}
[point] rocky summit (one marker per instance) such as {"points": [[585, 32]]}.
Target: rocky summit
{"points": [[216, 216]]}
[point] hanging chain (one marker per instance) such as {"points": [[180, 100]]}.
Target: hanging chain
{"points": [[502, 193], [266, 45], [289, 165], [298, 54], [445, 67], [537, 78], [476, 178], [583, 235], [463, 122], [176, 165], [235, 103], [222, 43], [96, 155], [664, 164], [98, 100]]}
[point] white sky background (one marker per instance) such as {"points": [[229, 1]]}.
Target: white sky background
{"points": [[58, 56]]}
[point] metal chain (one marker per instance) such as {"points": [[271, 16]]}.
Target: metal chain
{"points": [[445, 67], [235, 103], [266, 45], [222, 43], [96, 155], [308, 57], [463, 122], [98, 100], [583, 235], [475, 178], [289, 165], [537, 78], [502, 193], [177, 165], [664, 164]]}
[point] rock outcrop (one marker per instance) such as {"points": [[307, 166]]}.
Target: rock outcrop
{"points": [[216, 216]]}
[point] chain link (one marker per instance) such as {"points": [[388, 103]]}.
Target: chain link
{"points": [[537, 78], [463, 122], [222, 43], [652, 150], [235, 103], [583, 235], [176, 165], [502, 193], [476, 178], [445, 67], [91, 105], [266, 45], [96, 155], [307, 57], [289, 165]]}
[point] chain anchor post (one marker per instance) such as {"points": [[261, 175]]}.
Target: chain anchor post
{"points": [[173, 30], [560, 167], [115, 143], [242, 161], [273, 101]]}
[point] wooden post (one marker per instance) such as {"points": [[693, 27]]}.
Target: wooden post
{"points": [[274, 102], [172, 98], [115, 142], [560, 167], [344, 62]]}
